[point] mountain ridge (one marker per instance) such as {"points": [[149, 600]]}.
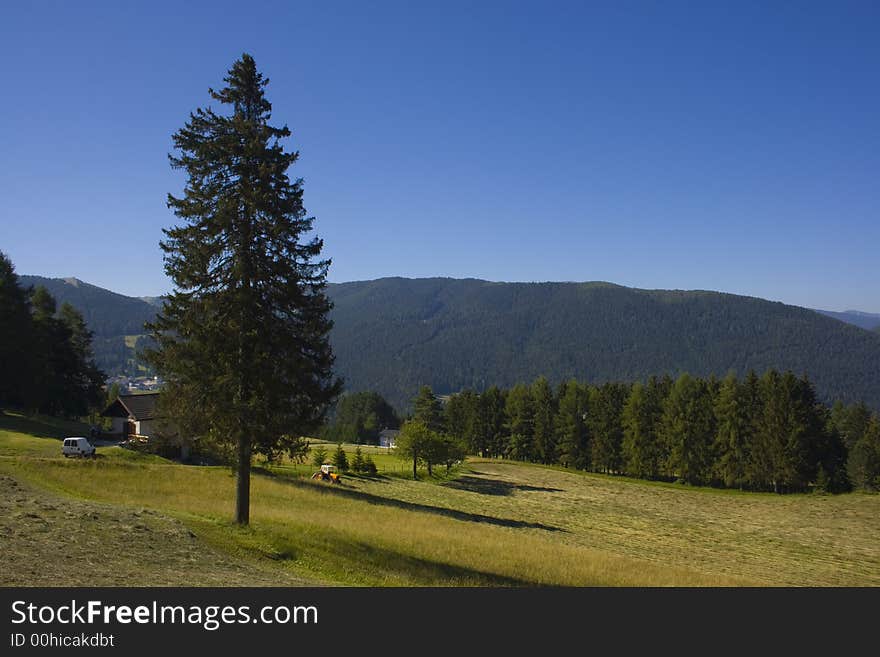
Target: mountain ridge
{"points": [[394, 334]]}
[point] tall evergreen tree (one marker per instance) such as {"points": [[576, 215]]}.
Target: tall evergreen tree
{"points": [[641, 418], [461, 415], [428, 409], [545, 411], [604, 415], [572, 446], [864, 458], [492, 422], [733, 433], [16, 348], [243, 340], [520, 412], [83, 381], [688, 427]]}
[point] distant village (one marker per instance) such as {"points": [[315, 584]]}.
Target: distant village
{"points": [[133, 384]]}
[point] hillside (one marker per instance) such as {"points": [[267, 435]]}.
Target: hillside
{"points": [[117, 321], [392, 335], [867, 321]]}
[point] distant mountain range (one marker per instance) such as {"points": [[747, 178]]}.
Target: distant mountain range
{"points": [[394, 334], [868, 321]]}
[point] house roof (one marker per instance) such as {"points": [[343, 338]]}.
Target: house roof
{"points": [[389, 433], [140, 407]]}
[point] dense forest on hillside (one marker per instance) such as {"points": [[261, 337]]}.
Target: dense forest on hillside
{"points": [[393, 335], [766, 433], [117, 321], [868, 321], [46, 357]]}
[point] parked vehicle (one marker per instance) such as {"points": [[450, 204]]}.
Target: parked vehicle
{"points": [[77, 446]]}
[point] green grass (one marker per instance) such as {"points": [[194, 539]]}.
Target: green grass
{"points": [[388, 464], [492, 523]]}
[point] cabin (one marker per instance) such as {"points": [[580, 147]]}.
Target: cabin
{"points": [[388, 437], [133, 415]]}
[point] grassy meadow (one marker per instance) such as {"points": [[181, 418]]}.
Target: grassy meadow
{"points": [[489, 522]]}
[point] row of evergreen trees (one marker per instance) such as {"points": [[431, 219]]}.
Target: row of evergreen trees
{"points": [[766, 433], [45, 352]]}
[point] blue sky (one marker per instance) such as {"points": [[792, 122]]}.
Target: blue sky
{"points": [[725, 146]]}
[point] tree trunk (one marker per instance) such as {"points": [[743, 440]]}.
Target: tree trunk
{"points": [[243, 481], [415, 462], [430, 474]]}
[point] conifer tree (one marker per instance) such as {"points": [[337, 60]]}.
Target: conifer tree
{"points": [[319, 456], [687, 428], [864, 458], [605, 408], [242, 342], [572, 447], [733, 434], [357, 463], [340, 458], [428, 409], [16, 347], [520, 413], [545, 411], [640, 418]]}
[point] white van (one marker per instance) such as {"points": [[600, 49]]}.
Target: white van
{"points": [[77, 447]]}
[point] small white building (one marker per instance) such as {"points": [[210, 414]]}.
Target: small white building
{"points": [[388, 437]]}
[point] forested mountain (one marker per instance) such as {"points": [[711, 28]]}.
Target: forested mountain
{"points": [[869, 321], [117, 321], [392, 335]]}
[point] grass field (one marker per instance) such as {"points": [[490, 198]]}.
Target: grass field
{"points": [[490, 523]]}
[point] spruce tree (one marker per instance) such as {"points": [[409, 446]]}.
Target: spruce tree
{"points": [[688, 427], [319, 456], [357, 463], [604, 414], [640, 449], [545, 411], [16, 339], [864, 458], [243, 339], [340, 459], [572, 447], [520, 413], [733, 433], [427, 409]]}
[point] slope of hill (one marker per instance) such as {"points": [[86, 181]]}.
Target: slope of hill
{"points": [[394, 334], [117, 321], [867, 321]]}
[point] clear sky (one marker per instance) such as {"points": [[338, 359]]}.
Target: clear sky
{"points": [[703, 145]]}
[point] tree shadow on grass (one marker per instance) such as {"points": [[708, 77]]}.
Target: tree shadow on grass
{"points": [[424, 570], [485, 486], [363, 496], [33, 427], [370, 558]]}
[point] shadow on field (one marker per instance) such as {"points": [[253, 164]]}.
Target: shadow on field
{"points": [[493, 486], [31, 426], [424, 570], [354, 494]]}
